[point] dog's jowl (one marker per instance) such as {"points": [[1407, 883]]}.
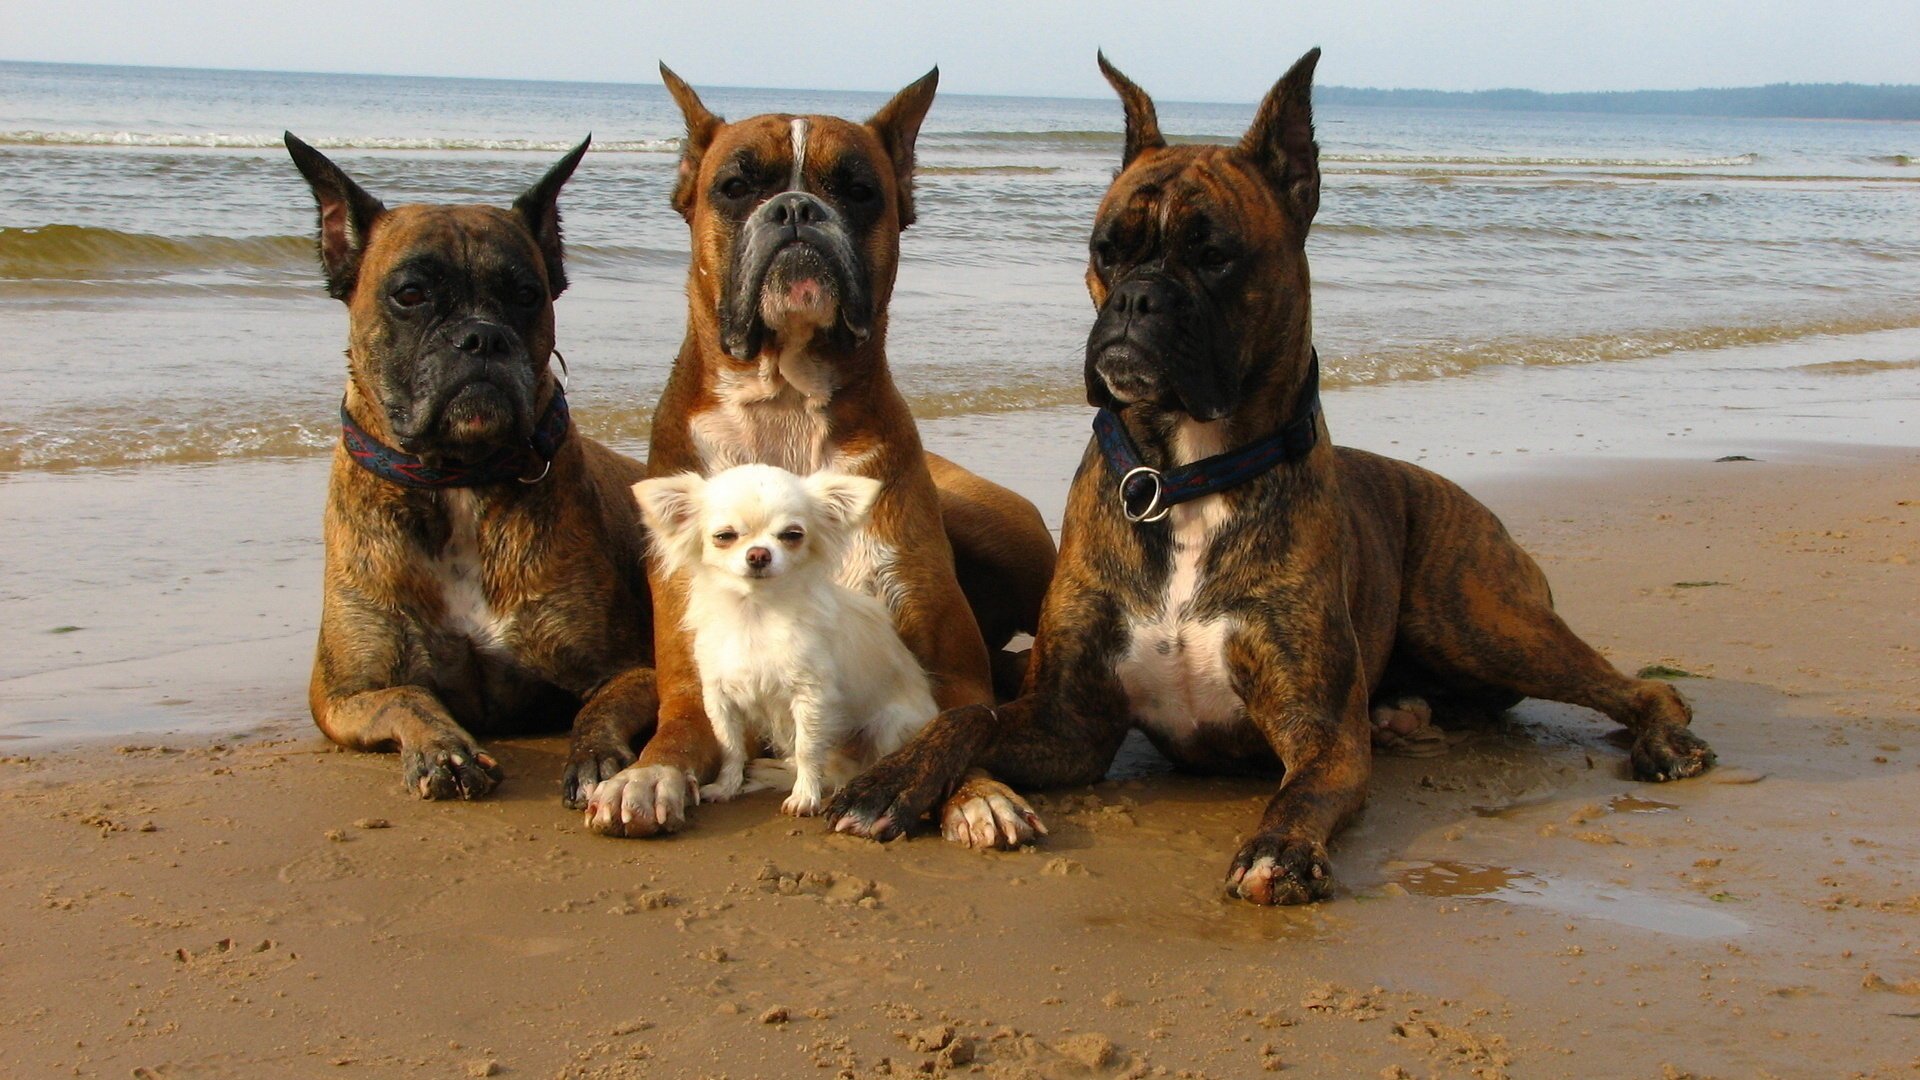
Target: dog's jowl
{"points": [[1231, 583], [483, 559]]}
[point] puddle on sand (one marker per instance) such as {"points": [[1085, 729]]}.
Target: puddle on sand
{"points": [[1586, 899], [1619, 804], [1634, 804]]}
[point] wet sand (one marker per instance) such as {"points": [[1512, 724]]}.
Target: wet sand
{"points": [[251, 902]]}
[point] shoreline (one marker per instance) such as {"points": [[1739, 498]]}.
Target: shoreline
{"points": [[1517, 907]]}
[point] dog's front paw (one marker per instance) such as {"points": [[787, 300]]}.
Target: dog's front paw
{"points": [[451, 766], [644, 800], [883, 802], [985, 813], [1669, 752], [589, 763], [803, 804], [1278, 870], [730, 782]]}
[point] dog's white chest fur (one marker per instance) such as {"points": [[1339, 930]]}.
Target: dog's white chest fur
{"points": [[466, 611], [1174, 669], [774, 416]]}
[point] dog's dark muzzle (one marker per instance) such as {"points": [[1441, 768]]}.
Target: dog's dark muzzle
{"points": [[792, 238], [1149, 345], [473, 389]]}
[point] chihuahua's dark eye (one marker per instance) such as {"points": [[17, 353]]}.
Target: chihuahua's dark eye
{"points": [[410, 296], [725, 537], [792, 535], [735, 187]]}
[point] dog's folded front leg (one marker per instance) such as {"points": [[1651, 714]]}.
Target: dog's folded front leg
{"points": [[438, 759], [1325, 749], [604, 731]]}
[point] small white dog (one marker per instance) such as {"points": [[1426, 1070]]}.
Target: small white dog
{"points": [[786, 653]]}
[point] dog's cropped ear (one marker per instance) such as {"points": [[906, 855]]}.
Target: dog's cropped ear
{"points": [[539, 207], [844, 499], [1143, 123], [1281, 140], [702, 126], [898, 125], [347, 216], [670, 505]]}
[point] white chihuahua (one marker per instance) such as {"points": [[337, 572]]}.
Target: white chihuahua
{"points": [[786, 653]]}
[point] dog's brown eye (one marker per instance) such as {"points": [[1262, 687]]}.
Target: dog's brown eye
{"points": [[409, 296], [860, 191], [1216, 258], [1103, 253], [735, 187], [793, 536], [725, 537], [527, 296]]}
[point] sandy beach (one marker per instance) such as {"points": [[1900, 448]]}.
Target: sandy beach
{"points": [[253, 902], [1679, 356]]}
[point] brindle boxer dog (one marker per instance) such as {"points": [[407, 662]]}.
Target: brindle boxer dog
{"points": [[796, 225], [483, 567], [1230, 582]]}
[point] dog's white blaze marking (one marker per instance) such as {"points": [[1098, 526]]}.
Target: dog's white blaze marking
{"points": [[463, 593], [1175, 668], [797, 133]]}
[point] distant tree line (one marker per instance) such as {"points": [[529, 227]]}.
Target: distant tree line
{"points": [[1831, 101]]}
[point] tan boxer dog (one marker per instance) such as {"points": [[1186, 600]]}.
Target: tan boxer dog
{"points": [[796, 225], [1230, 582], [483, 563]]}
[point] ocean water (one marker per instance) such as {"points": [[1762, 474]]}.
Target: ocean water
{"points": [[161, 302]]}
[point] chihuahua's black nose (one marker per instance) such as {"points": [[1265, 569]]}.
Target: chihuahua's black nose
{"points": [[759, 558]]}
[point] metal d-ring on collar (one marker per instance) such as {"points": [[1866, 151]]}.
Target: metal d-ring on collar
{"points": [[1148, 494], [1154, 510]]}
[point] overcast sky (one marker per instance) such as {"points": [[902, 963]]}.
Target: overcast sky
{"points": [[1228, 51]]}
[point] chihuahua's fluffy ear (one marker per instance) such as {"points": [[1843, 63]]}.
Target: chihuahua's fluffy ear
{"points": [[670, 505], [844, 500]]}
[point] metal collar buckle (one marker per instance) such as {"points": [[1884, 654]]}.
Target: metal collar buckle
{"points": [[1153, 511], [546, 466]]}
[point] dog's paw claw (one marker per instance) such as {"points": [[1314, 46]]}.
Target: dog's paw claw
{"points": [[587, 766], [449, 768], [643, 800], [870, 807], [1276, 870], [1669, 752]]}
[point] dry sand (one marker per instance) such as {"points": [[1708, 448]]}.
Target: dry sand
{"points": [[265, 906]]}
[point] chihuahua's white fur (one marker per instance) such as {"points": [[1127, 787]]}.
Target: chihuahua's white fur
{"points": [[787, 655]]}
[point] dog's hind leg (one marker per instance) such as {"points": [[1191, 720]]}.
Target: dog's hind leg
{"points": [[1483, 612], [605, 730]]}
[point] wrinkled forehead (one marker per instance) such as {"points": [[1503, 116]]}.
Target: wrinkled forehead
{"points": [[463, 238], [1167, 189], [777, 140]]}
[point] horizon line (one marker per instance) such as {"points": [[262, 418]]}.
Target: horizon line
{"points": [[955, 93]]}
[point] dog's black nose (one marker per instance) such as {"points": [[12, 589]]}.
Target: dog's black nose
{"points": [[759, 558], [1143, 296], [795, 208], [482, 340]]}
